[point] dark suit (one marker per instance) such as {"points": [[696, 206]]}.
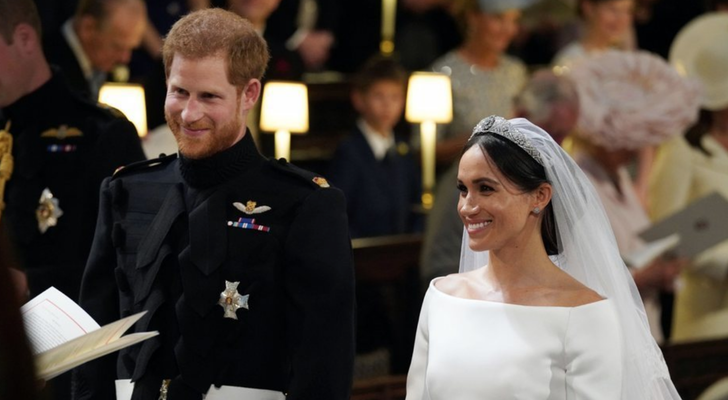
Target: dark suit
{"points": [[59, 53], [380, 195], [166, 243], [72, 168]]}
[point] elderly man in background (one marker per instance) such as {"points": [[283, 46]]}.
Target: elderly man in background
{"points": [[97, 41]]}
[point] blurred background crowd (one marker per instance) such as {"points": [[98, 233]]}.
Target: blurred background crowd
{"points": [[636, 90]]}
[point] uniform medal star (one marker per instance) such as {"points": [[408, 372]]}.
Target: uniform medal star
{"points": [[231, 300], [48, 211]]}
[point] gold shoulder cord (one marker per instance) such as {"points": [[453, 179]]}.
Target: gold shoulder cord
{"points": [[6, 162]]}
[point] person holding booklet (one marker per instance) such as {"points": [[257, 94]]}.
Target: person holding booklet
{"points": [[243, 264], [695, 165]]}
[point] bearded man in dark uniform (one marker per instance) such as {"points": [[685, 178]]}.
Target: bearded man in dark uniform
{"points": [[242, 263], [55, 149]]}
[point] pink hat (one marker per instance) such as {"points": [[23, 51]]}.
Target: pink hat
{"points": [[632, 99]]}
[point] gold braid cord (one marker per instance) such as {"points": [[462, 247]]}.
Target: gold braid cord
{"points": [[6, 162]]}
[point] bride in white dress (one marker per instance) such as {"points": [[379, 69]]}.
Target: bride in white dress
{"points": [[544, 308]]}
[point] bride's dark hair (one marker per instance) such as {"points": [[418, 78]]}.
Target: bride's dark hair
{"points": [[521, 169]]}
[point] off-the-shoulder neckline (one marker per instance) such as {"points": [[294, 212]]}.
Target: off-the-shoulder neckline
{"points": [[435, 289]]}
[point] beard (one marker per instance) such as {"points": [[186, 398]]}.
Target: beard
{"points": [[219, 138]]}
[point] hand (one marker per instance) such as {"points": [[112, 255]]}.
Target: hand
{"points": [[660, 273], [315, 47], [20, 283]]}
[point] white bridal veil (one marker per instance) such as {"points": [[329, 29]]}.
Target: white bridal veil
{"points": [[589, 253]]}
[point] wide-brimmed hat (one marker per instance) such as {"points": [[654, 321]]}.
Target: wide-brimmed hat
{"points": [[700, 50], [632, 99], [499, 6]]}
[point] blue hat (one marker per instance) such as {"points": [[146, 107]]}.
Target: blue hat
{"points": [[499, 6]]}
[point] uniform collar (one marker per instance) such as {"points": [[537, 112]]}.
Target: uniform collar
{"points": [[221, 167]]}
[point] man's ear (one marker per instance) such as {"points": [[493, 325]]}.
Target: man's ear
{"points": [[26, 38], [251, 93], [357, 100], [86, 28]]}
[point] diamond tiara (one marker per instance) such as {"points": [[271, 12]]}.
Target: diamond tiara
{"points": [[500, 126]]}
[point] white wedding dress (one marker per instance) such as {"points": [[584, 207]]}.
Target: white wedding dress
{"points": [[473, 349]]}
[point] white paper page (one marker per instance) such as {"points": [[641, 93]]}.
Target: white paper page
{"points": [[51, 318], [79, 347], [47, 371]]}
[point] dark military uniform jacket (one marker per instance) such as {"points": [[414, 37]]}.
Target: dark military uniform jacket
{"points": [[172, 232], [63, 143]]}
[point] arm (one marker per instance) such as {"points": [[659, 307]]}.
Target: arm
{"points": [[99, 297], [319, 281], [671, 177], [593, 353], [417, 374]]}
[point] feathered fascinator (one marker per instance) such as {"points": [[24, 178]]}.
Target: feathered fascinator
{"points": [[632, 99]]}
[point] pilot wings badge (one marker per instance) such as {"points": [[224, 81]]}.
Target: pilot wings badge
{"points": [[250, 207]]}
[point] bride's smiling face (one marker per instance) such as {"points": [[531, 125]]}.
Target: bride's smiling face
{"points": [[493, 209]]}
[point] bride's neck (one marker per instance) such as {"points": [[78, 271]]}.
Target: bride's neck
{"points": [[516, 267]]}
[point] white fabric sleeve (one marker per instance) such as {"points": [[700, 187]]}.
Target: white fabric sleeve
{"points": [[416, 377], [593, 352]]}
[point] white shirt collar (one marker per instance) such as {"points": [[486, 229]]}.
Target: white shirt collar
{"points": [[378, 143], [77, 49]]}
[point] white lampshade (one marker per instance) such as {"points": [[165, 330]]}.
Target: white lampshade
{"points": [[129, 99], [285, 107], [429, 98]]}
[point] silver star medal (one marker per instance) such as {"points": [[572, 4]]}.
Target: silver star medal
{"points": [[48, 211], [250, 207], [231, 300]]}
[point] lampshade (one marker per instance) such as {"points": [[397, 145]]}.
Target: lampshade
{"points": [[129, 99], [284, 107], [429, 98]]}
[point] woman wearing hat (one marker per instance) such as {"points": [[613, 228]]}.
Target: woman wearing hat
{"points": [[629, 101], [696, 165], [484, 78]]}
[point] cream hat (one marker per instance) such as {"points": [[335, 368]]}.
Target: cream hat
{"points": [[700, 50]]}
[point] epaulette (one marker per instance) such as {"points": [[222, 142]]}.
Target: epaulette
{"points": [[139, 165], [112, 110], [290, 169]]}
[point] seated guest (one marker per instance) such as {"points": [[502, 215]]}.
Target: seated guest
{"points": [[100, 37], [379, 178], [373, 167]]}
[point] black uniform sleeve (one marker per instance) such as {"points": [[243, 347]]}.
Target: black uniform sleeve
{"points": [[320, 281], [99, 297]]}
